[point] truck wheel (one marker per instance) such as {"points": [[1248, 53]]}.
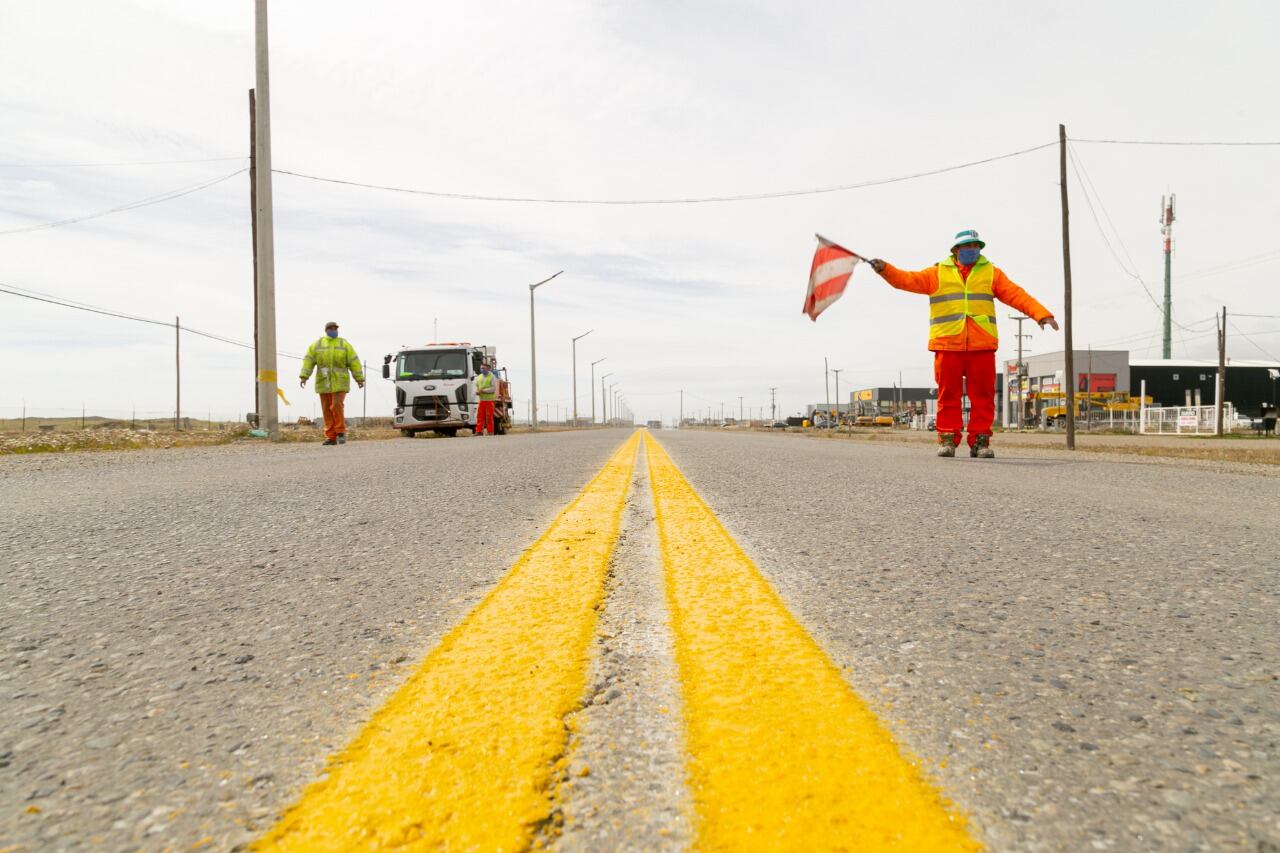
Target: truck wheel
{"points": [[500, 428], [447, 433], [408, 433]]}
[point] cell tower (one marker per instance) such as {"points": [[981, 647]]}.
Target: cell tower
{"points": [[1166, 228]]}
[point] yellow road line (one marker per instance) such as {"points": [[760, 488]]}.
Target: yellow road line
{"points": [[782, 753], [463, 755]]}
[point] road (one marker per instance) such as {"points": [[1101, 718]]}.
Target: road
{"points": [[1046, 651]]}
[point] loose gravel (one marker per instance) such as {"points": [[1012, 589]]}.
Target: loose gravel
{"points": [[1081, 650]]}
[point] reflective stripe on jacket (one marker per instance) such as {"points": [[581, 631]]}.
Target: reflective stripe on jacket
{"points": [[971, 336], [486, 387], [959, 300], [332, 359]]}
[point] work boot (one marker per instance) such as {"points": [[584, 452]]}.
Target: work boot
{"points": [[328, 442], [947, 445], [981, 448], [342, 438]]}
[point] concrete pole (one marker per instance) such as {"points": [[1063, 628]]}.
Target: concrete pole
{"points": [[267, 405], [177, 373], [593, 387], [575, 373], [837, 373], [533, 355]]}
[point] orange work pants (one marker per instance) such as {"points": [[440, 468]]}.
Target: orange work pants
{"points": [[335, 421], [484, 418], [965, 373]]}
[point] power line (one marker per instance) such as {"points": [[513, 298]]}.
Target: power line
{"points": [[652, 201], [1169, 142], [118, 163], [14, 290], [133, 205], [1255, 343]]}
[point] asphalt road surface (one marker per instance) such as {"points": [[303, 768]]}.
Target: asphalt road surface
{"points": [[1080, 652]]}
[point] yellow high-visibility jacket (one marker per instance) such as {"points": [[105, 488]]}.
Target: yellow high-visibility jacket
{"points": [[332, 359]]}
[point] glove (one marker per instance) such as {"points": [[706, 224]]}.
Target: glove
{"points": [[1049, 321], [876, 264], [360, 383], [302, 384]]}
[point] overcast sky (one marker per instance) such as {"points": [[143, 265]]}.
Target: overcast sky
{"points": [[618, 101]]}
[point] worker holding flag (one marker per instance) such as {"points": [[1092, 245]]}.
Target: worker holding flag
{"points": [[962, 290]]}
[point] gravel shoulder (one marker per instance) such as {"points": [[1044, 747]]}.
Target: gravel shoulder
{"points": [[186, 634], [1081, 650]]}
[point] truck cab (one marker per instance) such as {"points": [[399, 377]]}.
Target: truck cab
{"points": [[435, 387]]}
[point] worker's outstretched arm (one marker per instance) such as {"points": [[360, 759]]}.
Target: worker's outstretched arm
{"points": [[308, 365], [925, 281], [1010, 294], [354, 365]]}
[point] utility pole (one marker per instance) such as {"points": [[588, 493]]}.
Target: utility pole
{"points": [[177, 373], [1022, 403], [574, 347], [364, 415], [533, 355], [773, 405], [24, 415], [680, 423], [1069, 359], [1222, 369], [264, 250], [253, 229], [739, 410], [826, 382], [837, 371], [1166, 229], [82, 407], [604, 401]]}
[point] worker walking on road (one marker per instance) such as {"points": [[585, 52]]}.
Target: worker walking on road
{"points": [[962, 290], [332, 358], [486, 393]]}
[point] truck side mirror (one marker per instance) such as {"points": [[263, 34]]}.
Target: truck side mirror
{"points": [[386, 371]]}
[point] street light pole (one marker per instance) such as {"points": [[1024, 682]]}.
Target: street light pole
{"points": [[575, 373], [593, 388], [604, 401], [613, 406], [533, 354]]}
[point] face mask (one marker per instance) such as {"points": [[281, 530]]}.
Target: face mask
{"points": [[968, 256], [333, 333]]}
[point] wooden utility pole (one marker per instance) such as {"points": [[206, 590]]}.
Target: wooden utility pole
{"points": [[1069, 367], [177, 373], [1222, 370], [253, 219]]}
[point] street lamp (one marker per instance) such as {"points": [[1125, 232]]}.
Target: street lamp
{"points": [[604, 404], [613, 406], [575, 373], [593, 388], [533, 354]]}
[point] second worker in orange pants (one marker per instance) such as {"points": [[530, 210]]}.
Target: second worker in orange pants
{"points": [[962, 290]]}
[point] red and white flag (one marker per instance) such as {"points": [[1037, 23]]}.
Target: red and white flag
{"points": [[832, 266]]}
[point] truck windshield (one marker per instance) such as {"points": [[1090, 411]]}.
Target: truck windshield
{"points": [[441, 364]]}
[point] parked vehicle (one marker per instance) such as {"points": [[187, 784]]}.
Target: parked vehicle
{"points": [[435, 388]]}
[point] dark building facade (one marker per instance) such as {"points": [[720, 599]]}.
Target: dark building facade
{"points": [[1250, 384]]}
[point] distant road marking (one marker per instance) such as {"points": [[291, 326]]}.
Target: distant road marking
{"points": [[783, 755], [463, 755]]}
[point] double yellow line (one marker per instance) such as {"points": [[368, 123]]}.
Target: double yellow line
{"points": [[781, 753]]}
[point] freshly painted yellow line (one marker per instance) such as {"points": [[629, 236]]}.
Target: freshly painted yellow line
{"points": [[463, 756], [783, 755]]}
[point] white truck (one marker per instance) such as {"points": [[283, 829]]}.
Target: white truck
{"points": [[435, 388]]}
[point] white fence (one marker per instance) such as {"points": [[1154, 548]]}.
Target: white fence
{"points": [[1186, 420]]}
